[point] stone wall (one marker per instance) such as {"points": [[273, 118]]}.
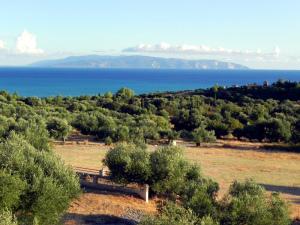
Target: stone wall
{"points": [[102, 182]]}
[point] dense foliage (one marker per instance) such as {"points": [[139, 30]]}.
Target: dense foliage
{"points": [[193, 198], [262, 113], [165, 170], [35, 186], [246, 203]]}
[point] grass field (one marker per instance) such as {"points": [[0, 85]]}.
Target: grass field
{"points": [[225, 162]]}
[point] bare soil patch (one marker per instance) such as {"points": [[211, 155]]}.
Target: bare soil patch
{"points": [[99, 207]]}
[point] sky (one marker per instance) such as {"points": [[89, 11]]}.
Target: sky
{"points": [[261, 34]]}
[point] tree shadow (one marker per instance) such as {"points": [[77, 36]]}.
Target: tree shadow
{"points": [[283, 189], [108, 192], [98, 219]]}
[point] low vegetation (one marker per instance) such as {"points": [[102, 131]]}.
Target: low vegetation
{"points": [[191, 196], [36, 187], [201, 115]]}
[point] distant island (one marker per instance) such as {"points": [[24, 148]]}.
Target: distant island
{"points": [[137, 62]]}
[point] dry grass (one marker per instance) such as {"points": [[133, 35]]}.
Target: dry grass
{"points": [[87, 155], [280, 171], [224, 162], [98, 206]]}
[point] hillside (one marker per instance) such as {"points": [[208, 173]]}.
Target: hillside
{"points": [[136, 62]]}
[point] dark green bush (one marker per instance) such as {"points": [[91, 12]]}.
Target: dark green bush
{"points": [[172, 214], [201, 135], [40, 185], [128, 163], [58, 128], [11, 188], [169, 170], [165, 170], [248, 203]]}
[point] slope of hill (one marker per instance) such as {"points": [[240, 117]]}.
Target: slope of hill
{"points": [[136, 62]]}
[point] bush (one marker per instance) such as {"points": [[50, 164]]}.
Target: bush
{"points": [[237, 189], [124, 94], [172, 214], [128, 163], [169, 170], [121, 133], [201, 135], [247, 203], [165, 170], [12, 187], [200, 196], [58, 128], [34, 132], [41, 187], [208, 220], [6, 218], [274, 130], [108, 141]]}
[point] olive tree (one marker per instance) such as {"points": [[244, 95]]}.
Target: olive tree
{"points": [[36, 186], [172, 214], [128, 163], [169, 170], [58, 128], [247, 203], [201, 135]]}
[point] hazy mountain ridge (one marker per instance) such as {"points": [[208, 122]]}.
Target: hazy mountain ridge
{"points": [[136, 62]]}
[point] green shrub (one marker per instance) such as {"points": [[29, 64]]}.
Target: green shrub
{"points": [[247, 203], [249, 187], [128, 163], [58, 128], [208, 220], [6, 218], [172, 214], [34, 132], [121, 134], [200, 196], [108, 141], [11, 188], [201, 135], [46, 185], [165, 170], [279, 210], [169, 170]]}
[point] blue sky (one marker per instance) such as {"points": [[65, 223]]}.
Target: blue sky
{"points": [[257, 33]]}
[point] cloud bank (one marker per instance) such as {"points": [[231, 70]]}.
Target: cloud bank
{"points": [[198, 50], [27, 44]]}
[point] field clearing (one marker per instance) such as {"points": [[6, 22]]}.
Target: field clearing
{"points": [[225, 162]]}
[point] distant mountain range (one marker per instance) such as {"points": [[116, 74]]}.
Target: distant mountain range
{"points": [[137, 62]]}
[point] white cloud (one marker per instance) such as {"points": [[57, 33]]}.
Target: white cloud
{"points": [[27, 44], [277, 51], [199, 50], [2, 45]]}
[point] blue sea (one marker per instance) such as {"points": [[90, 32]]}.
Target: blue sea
{"points": [[74, 82]]}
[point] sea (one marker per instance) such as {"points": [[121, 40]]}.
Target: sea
{"points": [[43, 82]]}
